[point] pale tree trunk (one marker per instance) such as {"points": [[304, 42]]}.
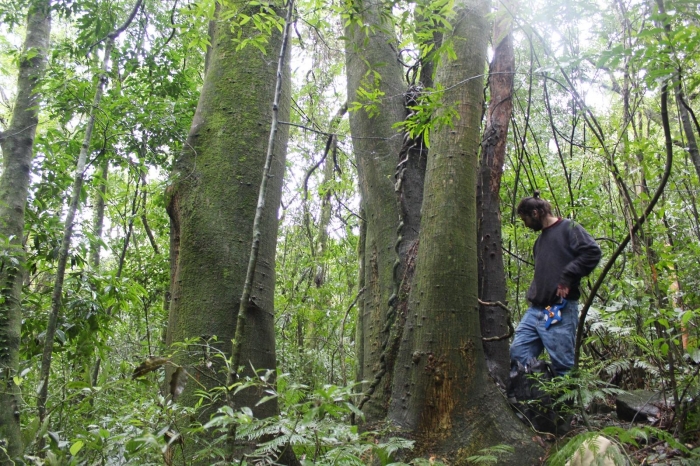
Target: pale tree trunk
{"points": [[99, 195], [376, 145], [16, 143], [441, 393], [326, 206], [98, 221], [492, 279], [212, 206]]}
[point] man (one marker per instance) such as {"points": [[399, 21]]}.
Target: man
{"points": [[564, 253]]}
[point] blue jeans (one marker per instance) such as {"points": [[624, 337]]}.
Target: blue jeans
{"points": [[559, 340]]}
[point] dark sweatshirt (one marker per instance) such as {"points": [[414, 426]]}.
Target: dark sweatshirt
{"points": [[564, 253]]}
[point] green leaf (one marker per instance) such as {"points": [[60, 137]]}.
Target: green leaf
{"points": [[685, 318], [76, 447]]}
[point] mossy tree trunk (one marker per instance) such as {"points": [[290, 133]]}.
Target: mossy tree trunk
{"points": [[492, 278], [442, 396], [212, 203], [372, 64], [17, 143]]}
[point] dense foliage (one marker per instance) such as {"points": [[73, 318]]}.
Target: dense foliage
{"points": [[587, 131]]}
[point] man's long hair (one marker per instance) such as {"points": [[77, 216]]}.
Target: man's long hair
{"points": [[535, 202]]}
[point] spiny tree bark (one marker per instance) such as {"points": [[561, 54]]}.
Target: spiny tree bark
{"points": [[370, 48], [212, 204], [441, 393], [17, 143], [492, 279], [247, 303]]}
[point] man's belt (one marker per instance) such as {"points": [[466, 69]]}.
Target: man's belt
{"points": [[553, 313]]}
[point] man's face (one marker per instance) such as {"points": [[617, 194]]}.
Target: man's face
{"points": [[532, 221]]}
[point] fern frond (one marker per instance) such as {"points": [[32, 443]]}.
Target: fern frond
{"points": [[616, 367], [492, 454]]}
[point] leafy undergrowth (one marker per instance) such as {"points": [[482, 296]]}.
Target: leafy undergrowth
{"points": [[132, 422], [590, 410]]}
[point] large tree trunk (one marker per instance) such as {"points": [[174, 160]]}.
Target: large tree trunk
{"points": [[376, 145], [492, 279], [212, 205], [17, 143], [441, 394]]}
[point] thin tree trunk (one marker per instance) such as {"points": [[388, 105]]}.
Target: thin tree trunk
{"points": [[326, 207], [17, 143], [100, 196], [122, 258], [492, 279], [95, 245], [130, 225], [682, 105], [57, 294], [635, 228], [144, 215]]}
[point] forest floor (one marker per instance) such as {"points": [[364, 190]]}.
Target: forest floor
{"points": [[650, 451]]}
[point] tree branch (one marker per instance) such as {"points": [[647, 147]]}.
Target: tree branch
{"points": [[262, 194], [637, 225], [511, 330]]}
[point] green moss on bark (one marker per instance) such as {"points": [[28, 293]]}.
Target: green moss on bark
{"points": [[17, 155], [441, 390], [376, 144], [212, 206]]}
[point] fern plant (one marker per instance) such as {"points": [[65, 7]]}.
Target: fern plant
{"points": [[314, 423], [492, 454]]}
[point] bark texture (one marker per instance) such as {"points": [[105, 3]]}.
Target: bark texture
{"points": [[17, 142], [492, 279], [441, 394], [377, 145], [212, 203]]}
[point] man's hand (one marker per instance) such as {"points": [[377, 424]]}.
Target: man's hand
{"points": [[562, 291]]}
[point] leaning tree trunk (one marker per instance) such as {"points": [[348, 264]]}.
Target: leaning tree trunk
{"points": [[81, 165], [212, 206], [492, 279], [57, 293], [376, 145], [441, 393], [17, 143]]}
